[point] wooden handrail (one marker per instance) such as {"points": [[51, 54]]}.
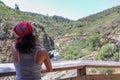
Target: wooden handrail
{"points": [[7, 69]]}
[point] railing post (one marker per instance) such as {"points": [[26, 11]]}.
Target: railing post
{"points": [[82, 72]]}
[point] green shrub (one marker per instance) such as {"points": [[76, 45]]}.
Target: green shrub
{"points": [[74, 51], [103, 41], [106, 70], [93, 42], [108, 52], [71, 53]]}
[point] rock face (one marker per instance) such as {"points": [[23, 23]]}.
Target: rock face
{"points": [[45, 40], [7, 37]]}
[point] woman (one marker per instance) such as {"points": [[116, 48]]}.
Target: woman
{"points": [[27, 55]]}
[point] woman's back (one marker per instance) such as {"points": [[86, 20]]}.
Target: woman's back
{"points": [[27, 68]]}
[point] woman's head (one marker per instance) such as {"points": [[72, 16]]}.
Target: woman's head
{"points": [[26, 41], [24, 28]]}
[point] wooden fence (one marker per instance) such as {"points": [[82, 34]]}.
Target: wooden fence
{"points": [[7, 69]]}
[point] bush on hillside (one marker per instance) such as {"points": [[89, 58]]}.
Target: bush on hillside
{"points": [[108, 52], [93, 42], [74, 51]]}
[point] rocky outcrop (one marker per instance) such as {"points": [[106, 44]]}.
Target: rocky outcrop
{"points": [[43, 37]]}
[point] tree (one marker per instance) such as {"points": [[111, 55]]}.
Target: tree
{"points": [[16, 7]]}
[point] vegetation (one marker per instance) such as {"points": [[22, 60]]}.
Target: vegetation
{"points": [[75, 50], [106, 71], [109, 52], [96, 29], [93, 41]]}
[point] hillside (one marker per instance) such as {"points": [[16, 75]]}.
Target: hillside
{"points": [[93, 37], [91, 34]]}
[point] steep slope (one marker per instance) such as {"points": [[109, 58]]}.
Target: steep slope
{"points": [[91, 34]]}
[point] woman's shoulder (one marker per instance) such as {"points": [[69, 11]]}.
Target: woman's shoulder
{"points": [[41, 51], [40, 48]]}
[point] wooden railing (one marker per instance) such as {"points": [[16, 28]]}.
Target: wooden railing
{"points": [[7, 69]]}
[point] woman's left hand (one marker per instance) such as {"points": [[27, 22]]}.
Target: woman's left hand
{"points": [[43, 68]]}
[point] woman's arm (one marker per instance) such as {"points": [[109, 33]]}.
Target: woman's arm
{"points": [[47, 62], [44, 59]]}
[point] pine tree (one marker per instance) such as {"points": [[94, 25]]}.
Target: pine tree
{"points": [[16, 7]]}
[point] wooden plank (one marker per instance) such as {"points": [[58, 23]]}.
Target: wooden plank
{"points": [[67, 65], [74, 78], [104, 77], [87, 63], [96, 77], [7, 69], [7, 74], [101, 64], [78, 64]]}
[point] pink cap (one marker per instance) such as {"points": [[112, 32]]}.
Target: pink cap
{"points": [[24, 28]]}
